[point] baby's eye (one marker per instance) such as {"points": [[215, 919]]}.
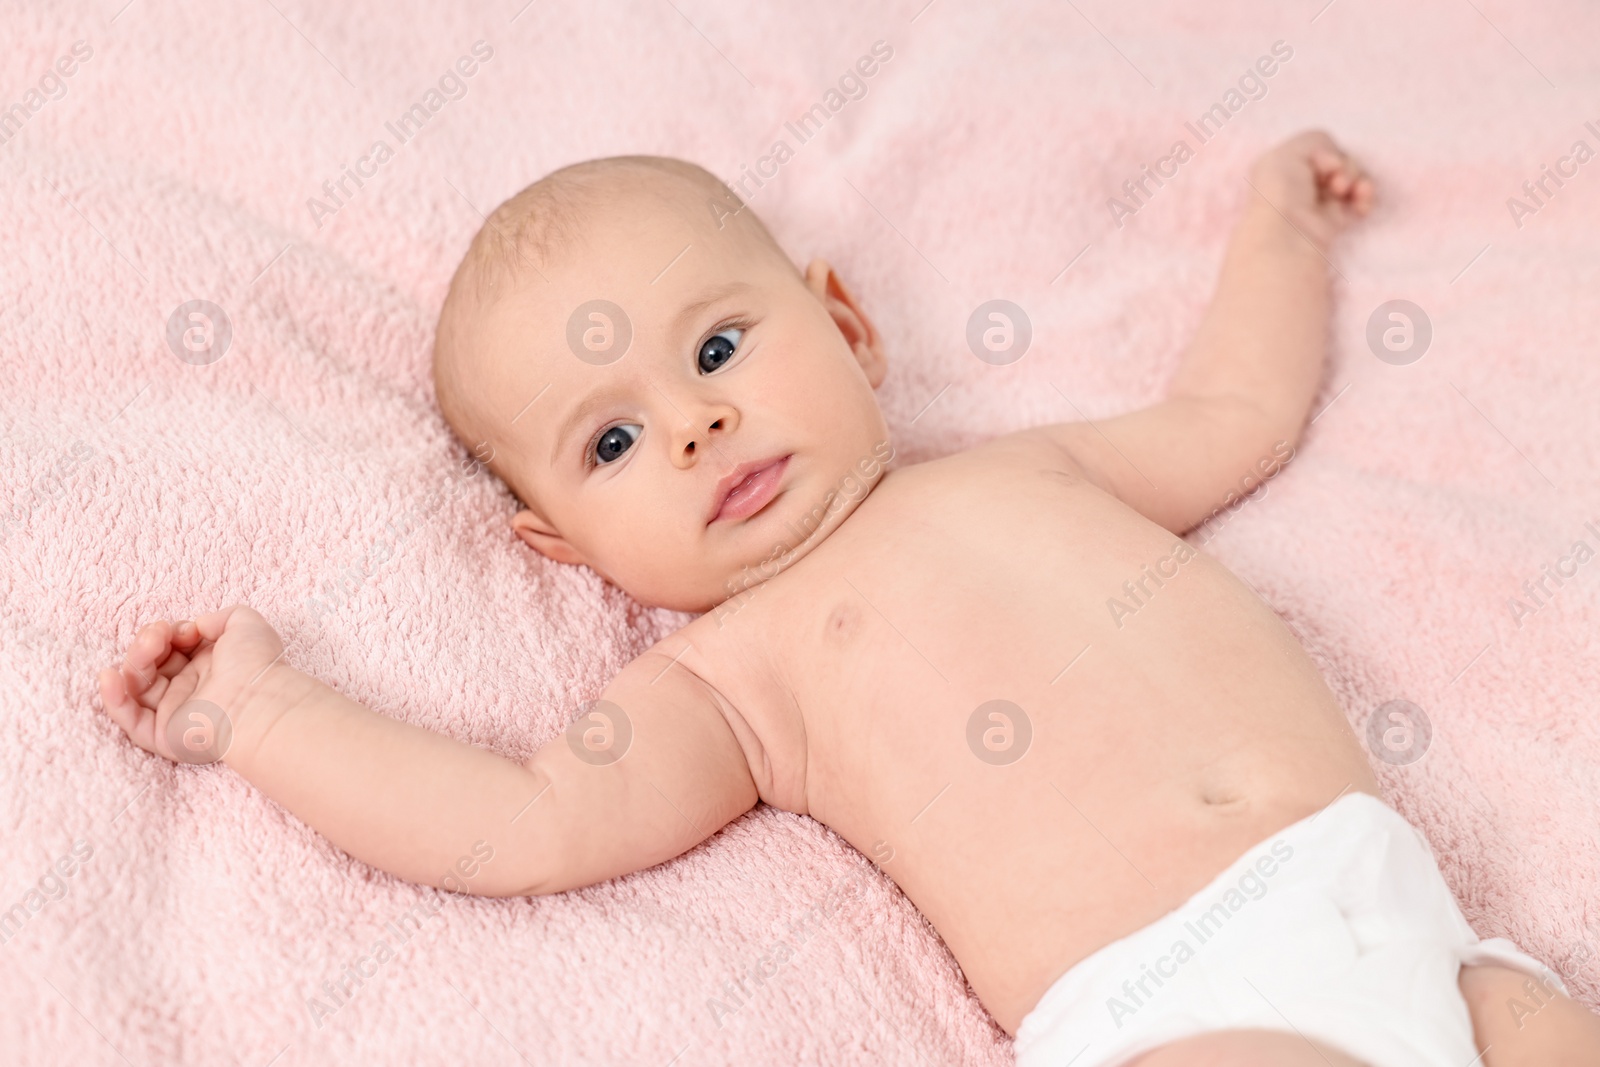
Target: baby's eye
{"points": [[718, 349], [615, 441]]}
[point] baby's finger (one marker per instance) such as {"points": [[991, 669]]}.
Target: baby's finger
{"points": [[1326, 162], [1351, 191], [137, 722], [186, 635], [1365, 193], [174, 663], [178, 693], [149, 649], [211, 624], [112, 692], [151, 697], [1337, 172]]}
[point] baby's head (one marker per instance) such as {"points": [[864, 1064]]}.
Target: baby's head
{"points": [[628, 343]]}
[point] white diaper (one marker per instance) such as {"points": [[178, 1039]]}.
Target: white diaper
{"points": [[1339, 927]]}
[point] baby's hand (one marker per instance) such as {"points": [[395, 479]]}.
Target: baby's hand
{"points": [[1314, 184], [212, 659]]}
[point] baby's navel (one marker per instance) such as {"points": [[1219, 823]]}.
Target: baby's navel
{"points": [[1220, 795]]}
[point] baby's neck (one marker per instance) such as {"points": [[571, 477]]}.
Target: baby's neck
{"points": [[802, 536]]}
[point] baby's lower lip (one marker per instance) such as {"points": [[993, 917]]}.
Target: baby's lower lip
{"points": [[754, 493]]}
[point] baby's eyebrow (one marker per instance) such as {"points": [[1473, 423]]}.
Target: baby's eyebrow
{"points": [[720, 292], [579, 413]]}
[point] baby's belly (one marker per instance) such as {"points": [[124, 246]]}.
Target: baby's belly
{"points": [[1041, 781], [1040, 823], [1025, 870]]}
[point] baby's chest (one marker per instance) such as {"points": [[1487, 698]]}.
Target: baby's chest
{"points": [[877, 665]]}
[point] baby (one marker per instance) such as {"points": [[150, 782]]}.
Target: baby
{"points": [[1095, 760]]}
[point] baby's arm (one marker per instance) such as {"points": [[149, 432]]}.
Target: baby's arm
{"points": [[1247, 381], [417, 803]]}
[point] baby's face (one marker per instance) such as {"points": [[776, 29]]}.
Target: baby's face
{"points": [[712, 442]]}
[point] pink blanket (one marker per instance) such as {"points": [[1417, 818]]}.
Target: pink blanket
{"points": [[313, 172]]}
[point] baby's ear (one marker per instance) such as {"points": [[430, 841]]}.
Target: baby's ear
{"points": [[543, 538], [853, 323]]}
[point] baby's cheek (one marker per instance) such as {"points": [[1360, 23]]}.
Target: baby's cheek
{"points": [[815, 392], [647, 557]]}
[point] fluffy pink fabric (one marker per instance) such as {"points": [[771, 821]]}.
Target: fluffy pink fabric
{"points": [[308, 472]]}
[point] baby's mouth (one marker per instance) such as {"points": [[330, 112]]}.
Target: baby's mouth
{"points": [[747, 489]]}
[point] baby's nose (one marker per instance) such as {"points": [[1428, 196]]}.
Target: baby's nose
{"points": [[699, 432]]}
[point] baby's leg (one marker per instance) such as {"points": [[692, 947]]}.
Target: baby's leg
{"points": [[1517, 1021], [1245, 1048]]}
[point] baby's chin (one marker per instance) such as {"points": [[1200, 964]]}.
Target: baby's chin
{"points": [[721, 576]]}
